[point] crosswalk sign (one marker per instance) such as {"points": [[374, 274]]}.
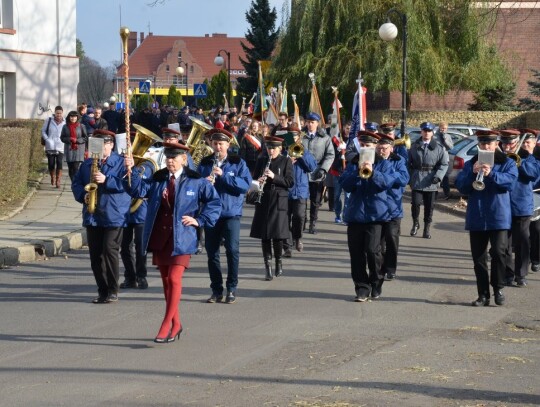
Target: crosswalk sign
{"points": [[144, 87], [200, 90]]}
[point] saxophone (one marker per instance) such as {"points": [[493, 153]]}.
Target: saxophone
{"points": [[91, 187], [260, 192]]}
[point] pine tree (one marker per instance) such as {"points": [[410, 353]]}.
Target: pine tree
{"points": [[262, 37], [499, 98], [534, 89]]}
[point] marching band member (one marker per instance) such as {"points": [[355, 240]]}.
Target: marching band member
{"points": [[353, 147], [392, 228], [270, 222], [488, 217], [365, 214], [521, 202], [231, 178], [428, 162], [179, 200], [105, 225], [534, 229]]}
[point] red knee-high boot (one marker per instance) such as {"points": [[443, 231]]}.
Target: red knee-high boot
{"points": [[171, 327]]}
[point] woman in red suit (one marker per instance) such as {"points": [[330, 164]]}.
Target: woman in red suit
{"points": [[179, 201]]}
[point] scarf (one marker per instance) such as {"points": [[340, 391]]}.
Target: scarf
{"points": [[73, 135]]}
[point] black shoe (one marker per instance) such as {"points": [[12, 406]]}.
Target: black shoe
{"points": [[415, 228], [446, 197], [521, 282], [129, 284], [299, 246], [390, 277], [426, 234], [509, 282], [231, 298], [480, 301], [215, 298], [142, 283], [362, 295], [376, 289], [172, 338], [499, 297], [312, 229], [199, 249], [100, 300], [287, 253], [535, 267], [112, 298], [279, 268], [268, 269]]}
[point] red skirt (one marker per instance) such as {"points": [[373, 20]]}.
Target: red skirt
{"points": [[163, 257]]}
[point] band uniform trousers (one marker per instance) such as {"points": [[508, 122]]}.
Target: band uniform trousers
{"points": [[534, 237], [104, 247], [134, 261], [315, 198], [390, 242], [229, 230], [498, 239], [428, 199], [297, 216], [518, 240], [364, 240]]}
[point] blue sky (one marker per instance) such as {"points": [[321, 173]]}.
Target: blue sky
{"points": [[98, 21]]}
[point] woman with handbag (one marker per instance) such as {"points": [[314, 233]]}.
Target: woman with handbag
{"points": [[270, 222], [54, 147]]}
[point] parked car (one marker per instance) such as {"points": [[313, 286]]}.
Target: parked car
{"points": [[462, 152], [415, 133], [467, 129]]}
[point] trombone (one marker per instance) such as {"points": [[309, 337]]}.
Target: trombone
{"points": [[515, 156]]}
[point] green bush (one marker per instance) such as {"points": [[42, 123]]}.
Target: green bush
{"points": [[21, 157]]}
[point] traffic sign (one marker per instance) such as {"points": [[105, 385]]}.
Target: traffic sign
{"points": [[200, 90], [144, 87], [120, 105]]}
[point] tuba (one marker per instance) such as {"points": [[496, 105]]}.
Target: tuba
{"points": [[91, 188], [197, 146], [404, 141], [143, 140]]}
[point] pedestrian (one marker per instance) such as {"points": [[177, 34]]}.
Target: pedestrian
{"points": [[392, 229], [105, 224], [428, 162], [445, 140], [54, 147], [298, 194], [99, 121], [74, 137], [231, 178], [319, 145], [365, 215], [520, 147], [112, 117], [179, 200], [488, 216], [270, 222]]}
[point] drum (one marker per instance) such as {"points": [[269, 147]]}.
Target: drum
{"points": [[536, 212]]}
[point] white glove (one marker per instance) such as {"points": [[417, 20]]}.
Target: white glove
{"points": [[342, 146]]}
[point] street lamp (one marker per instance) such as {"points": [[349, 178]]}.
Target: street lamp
{"points": [[218, 60], [180, 72], [388, 32]]}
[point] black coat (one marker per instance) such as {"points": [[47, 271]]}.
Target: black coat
{"points": [[271, 220]]}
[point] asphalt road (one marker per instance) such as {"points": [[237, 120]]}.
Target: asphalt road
{"points": [[296, 341]]}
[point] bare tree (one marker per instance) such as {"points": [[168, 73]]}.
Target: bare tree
{"points": [[95, 82]]}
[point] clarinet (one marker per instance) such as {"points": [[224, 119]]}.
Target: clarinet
{"points": [[216, 159], [261, 186]]}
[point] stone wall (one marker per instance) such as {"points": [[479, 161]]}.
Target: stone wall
{"points": [[495, 120]]}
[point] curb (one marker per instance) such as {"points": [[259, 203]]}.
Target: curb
{"points": [[42, 249]]}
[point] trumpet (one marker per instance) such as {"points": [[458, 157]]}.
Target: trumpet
{"points": [[365, 173], [478, 184]]}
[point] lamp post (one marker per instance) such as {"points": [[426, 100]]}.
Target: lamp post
{"points": [[388, 32], [218, 60], [180, 72]]}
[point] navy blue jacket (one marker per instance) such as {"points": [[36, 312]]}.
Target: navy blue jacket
{"points": [[232, 185], [113, 202], [521, 197], [301, 168], [489, 209], [146, 170], [194, 196], [368, 201], [395, 194]]}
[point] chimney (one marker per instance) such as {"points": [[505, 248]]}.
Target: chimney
{"points": [[132, 41], [141, 37], [219, 35]]}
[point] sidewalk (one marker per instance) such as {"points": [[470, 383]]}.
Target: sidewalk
{"points": [[47, 224]]}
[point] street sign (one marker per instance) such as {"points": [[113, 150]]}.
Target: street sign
{"points": [[144, 87], [200, 90], [120, 105]]}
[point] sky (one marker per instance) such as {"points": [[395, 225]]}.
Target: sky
{"points": [[99, 21]]}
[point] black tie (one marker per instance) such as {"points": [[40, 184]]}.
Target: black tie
{"points": [[171, 189]]}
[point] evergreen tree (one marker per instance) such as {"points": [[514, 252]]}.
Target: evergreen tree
{"points": [[499, 98], [534, 89], [174, 98], [262, 37]]}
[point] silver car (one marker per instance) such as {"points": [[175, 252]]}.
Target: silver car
{"points": [[467, 129]]}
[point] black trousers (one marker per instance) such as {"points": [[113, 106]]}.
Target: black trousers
{"points": [[534, 237], [297, 217], [315, 199], [73, 167], [54, 161], [425, 197], [104, 248], [518, 240], [390, 240], [498, 239], [132, 252], [364, 240]]}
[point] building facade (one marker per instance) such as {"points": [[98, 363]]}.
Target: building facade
{"points": [[39, 68]]}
